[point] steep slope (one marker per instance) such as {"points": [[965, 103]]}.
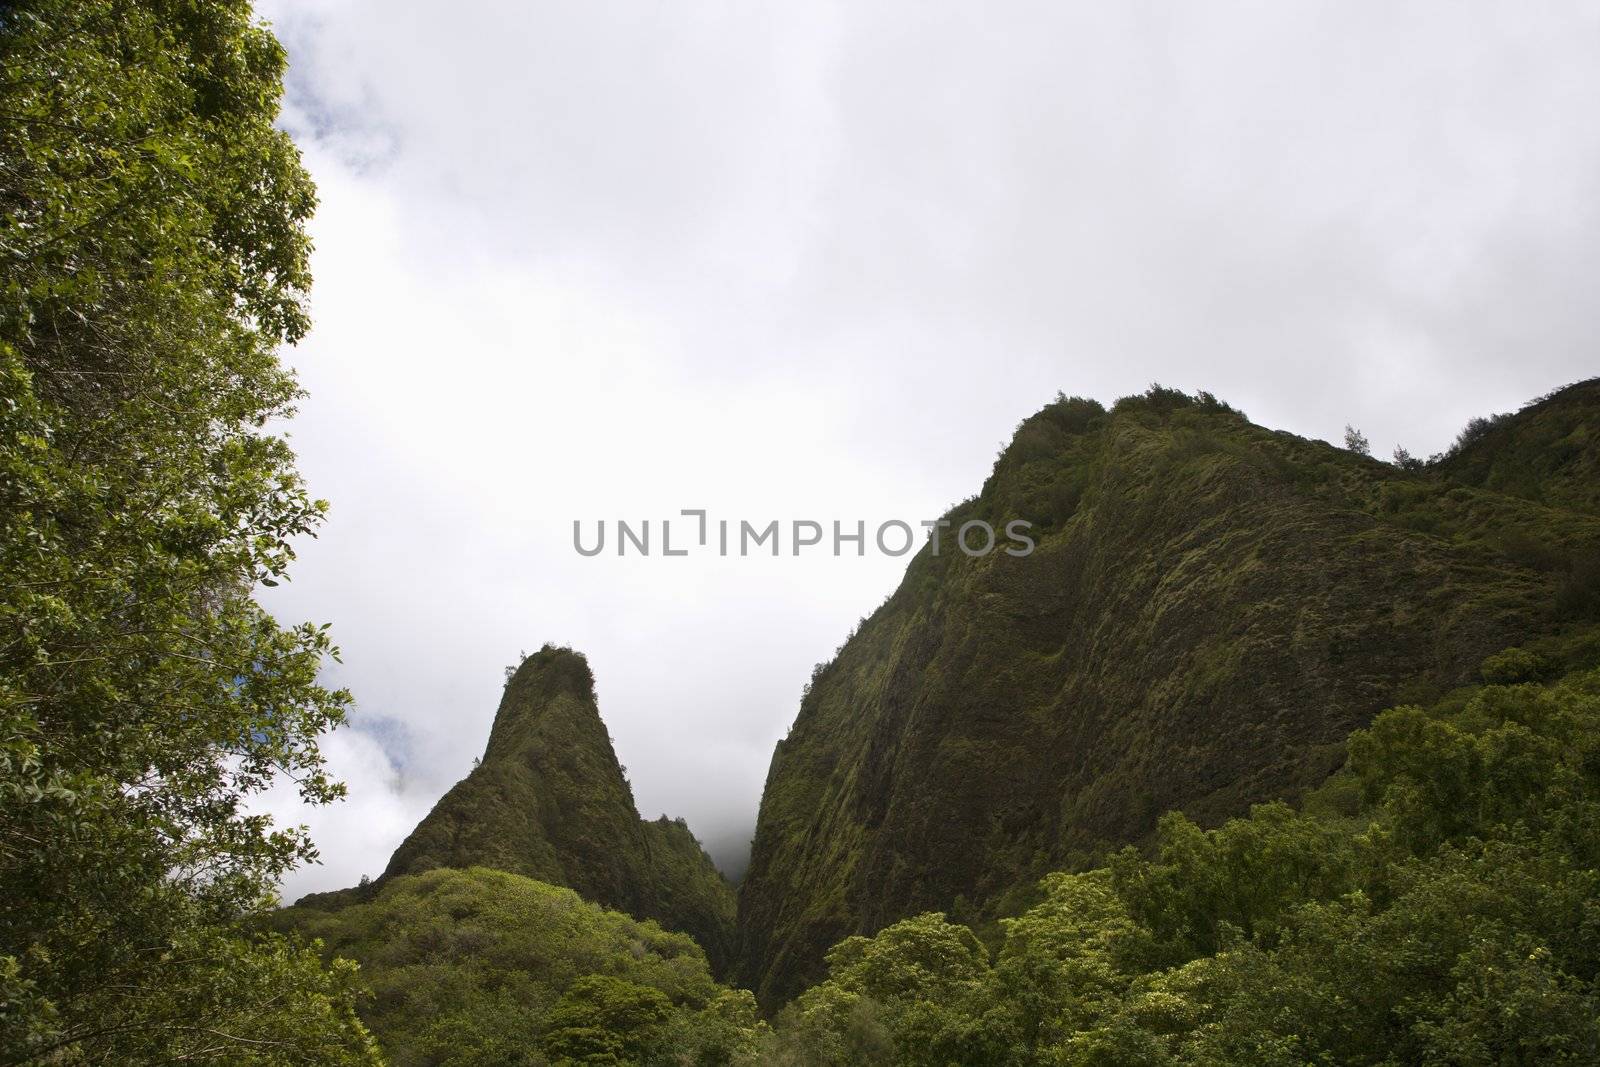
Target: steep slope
{"points": [[1211, 609], [1548, 452], [548, 800]]}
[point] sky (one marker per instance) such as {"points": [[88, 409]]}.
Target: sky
{"points": [[816, 260]]}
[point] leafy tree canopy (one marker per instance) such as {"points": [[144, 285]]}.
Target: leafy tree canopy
{"points": [[152, 228]]}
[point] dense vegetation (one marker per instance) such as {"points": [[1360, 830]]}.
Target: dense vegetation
{"points": [[1212, 608], [549, 800], [151, 226], [483, 967], [1438, 901]]}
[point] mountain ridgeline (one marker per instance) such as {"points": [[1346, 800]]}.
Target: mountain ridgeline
{"points": [[1212, 608], [549, 801]]}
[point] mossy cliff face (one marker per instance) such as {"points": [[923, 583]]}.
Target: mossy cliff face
{"points": [[1211, 609], [549, 801]]}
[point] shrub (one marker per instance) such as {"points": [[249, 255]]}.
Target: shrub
{"points": [[1515, 666]]}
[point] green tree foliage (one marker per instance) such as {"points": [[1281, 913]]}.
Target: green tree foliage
{"points": [[603, 1020], [913, 987], [484, 968], [152, 230], [1437, 902], [1516, 665]]}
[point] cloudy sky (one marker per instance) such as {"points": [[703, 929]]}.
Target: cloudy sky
{"points": [[816, 260]]}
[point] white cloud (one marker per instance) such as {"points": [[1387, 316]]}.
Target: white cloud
{"points": [[350, 847], [610, 260]]}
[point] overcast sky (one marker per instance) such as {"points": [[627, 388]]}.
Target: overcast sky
{"points": [[814, 260]]}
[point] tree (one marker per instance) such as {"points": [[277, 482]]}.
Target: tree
{"points": [[1406, 461], [1356, 441], [918, 987], [152, 223], [605, 1020], [1476, 429]]}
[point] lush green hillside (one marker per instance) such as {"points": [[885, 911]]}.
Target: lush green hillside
{"points": [[483, 967], [1212, 608], [548, 800], [1436, 902]]}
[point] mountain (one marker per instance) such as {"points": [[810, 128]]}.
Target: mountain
{"points": [[1211, 608], [548, 801]]}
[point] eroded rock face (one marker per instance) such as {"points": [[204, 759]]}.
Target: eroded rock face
{"points": [[548, 800], [1211, 609]]}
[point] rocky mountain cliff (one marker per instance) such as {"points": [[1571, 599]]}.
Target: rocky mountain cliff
{"points": [[548, 800], [1211, 609]]}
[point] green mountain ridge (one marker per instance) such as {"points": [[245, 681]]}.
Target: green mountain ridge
{"points": [[548, 800], [1212, 608]]}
